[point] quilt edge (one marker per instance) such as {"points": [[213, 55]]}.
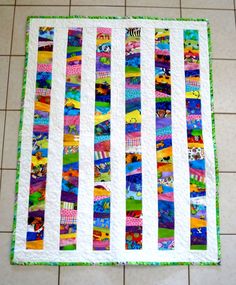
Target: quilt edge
{"points": [[12, 260]]}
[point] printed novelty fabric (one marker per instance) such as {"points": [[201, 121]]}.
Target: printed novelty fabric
{"points": [[116, 145]]}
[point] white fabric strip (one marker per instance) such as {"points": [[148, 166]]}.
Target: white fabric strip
{"points": [[117, 24], [118, 178], [86, 148], [179, 143], [208, 148], [26, 144], [148, 134], [55, 145]]}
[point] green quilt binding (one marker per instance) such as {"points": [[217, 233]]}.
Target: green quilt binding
{"points": [[20, 136]]}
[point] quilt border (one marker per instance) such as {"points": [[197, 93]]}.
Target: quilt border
{"points": [[20, 139]]}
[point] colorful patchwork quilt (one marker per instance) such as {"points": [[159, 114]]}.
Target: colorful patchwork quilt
{"points": [[116, 154]]}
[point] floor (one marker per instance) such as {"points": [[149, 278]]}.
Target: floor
{"points": [[222, 17]]}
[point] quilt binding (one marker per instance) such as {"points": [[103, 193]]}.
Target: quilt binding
{"points": [[12, 262]]}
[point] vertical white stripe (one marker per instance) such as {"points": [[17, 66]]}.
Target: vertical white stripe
{"points": [[208, 146], [55, 145], [118, 178], [179, 142], [86, 148], [148, 140], [26, 144]]}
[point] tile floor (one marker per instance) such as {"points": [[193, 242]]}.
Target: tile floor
{"points": [[222, 16]]}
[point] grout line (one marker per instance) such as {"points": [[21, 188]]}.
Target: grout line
{"points": [[188, 275], [6, 110], [228, 234], [224, 113], [12, 54], [8, 168], [222, 171], [31, 5], [2, 55], [180, 6], [8, 77], [131, 6], [210, 9], [70, 8], [123, 274], [224, 58], [57, 6], [235, 12], [5, 232], [0, 180], [125, 8], [186, 8], [59, 275]]}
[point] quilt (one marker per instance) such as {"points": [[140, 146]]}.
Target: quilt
{"points": [[116, 152]]}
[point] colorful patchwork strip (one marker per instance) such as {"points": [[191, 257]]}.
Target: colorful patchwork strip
{"points": [[133, 139], [196, 155], [102, 131], [165, 192], [38, 175], [70, 172]]}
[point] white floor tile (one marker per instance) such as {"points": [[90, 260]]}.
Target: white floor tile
{"points": [[7, 198], [160, 275], [15, 82], [97, 11], [218, 275], [23, 275], [20, 22], [105, 275], [154, 12], [43, 2], [6, 22], [224, 74], [227, 202], [225, 140], [98, 2], [11, 139], [4, 64], [215, 4], [2, 117], [154, 3], [223, 30], [7, 2]]}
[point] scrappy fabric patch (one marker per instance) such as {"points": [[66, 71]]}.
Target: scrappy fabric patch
{"points": [[70, 172], [133, 139], [164, 140], [102, 131], [196, 155], [38, 175]]}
